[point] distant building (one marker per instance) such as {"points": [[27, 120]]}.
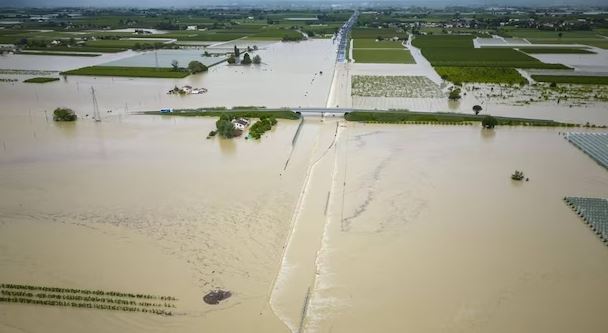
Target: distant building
{"points": [[192, 28]]}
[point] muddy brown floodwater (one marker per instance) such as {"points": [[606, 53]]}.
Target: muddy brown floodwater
{"points": [[146, 204], [426, 232]]}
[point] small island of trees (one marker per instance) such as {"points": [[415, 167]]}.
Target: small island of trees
{"points": [[64, 114]]}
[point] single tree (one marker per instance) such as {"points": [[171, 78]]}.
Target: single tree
{"points": [[64, 114], [489, 122], [196, 67], [477, 109], [246, 59], [454, 94], [175, 65], [257, 59], [231, 59]]}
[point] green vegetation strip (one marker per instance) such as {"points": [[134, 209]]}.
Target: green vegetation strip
{"points": [[239, 113], [78, 49], [88, 299], [41, 79], [128, 72], [64, 54], [262, 126], [442, 118], [574, 79], [383, 56], [555, 50], [481, 75]]}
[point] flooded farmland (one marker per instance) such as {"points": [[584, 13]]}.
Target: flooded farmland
{"points": [[146, 204], [322, 225]]}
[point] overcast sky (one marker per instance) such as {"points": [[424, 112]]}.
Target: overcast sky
{"points": [[202, 3]]}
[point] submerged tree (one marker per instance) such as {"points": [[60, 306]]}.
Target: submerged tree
{"points": [[257, 59], [64, 114], [237, 52], [246, 59], [231, 59], [477, 109], [454, 94], [489, 122], [175, 65], [225, 128]]}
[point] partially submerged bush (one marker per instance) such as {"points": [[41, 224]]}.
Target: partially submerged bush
{"points": [[64, 114], [489, 122]]}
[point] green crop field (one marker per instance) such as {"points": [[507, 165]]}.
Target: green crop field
{"points": [[383, 56], [592, 38], [64, 54], [78, 49], [486, 57], [374, 44], [555, 50], [375, 33], [120, 43], [129, 72], [572, 79], [481, 75], [451, 41]]}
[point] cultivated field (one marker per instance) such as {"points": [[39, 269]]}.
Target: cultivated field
{"points": [[394, 86]]}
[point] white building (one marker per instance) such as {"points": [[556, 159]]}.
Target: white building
{"points": [[192, 28]]}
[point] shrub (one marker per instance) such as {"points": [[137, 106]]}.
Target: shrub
{"points": [[196, 67], [489, 122], [246, 59], [455, 94], [231, 59], [64, 114], [257, 59]]}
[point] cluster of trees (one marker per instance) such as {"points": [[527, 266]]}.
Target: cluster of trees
{"points": [[225, 128], [247, 60], [454, 94], [262, 126]]}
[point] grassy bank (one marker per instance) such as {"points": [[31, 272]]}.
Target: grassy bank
{"points": [[78, 49], [571, 79], [152, 72], [235, 112], [41, 79], [481, 75], [64, 54], [408, 117]]}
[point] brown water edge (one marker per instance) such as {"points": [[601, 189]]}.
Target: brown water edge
{"points": [[432, 235], [146, 204]]}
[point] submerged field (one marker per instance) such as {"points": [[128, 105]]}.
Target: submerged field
{"points": [[394, 86], [395, 191]]}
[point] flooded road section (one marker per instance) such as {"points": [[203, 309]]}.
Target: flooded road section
{"points": [[427, 232], [146, 204]]}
